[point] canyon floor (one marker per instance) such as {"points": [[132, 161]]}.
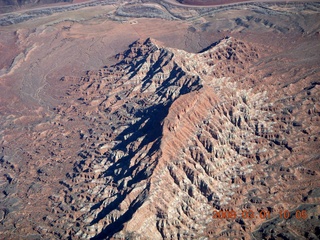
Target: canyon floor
{"points": [[145, 119]]}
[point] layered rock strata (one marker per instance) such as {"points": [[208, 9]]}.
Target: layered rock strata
{"points": [[170, 136]]}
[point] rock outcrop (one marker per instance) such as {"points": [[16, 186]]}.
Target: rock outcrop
{"points": [[172, 136]]}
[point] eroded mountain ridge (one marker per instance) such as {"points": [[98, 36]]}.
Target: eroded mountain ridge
{"points": [[173, 136], [166, 137]]}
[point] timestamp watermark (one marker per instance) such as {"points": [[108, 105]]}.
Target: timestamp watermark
{"points": [[263, 214]]}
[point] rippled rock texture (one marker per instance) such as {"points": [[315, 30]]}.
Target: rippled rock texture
{"points": [[168, 136]]}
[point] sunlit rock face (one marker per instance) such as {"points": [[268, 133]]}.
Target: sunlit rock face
{"points": [[172, 136]]}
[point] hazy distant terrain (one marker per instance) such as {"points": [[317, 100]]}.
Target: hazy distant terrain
{"points": [[12, 5], [141, 120]]}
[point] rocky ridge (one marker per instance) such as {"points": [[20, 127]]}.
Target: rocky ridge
{"points": [[169, 136]]}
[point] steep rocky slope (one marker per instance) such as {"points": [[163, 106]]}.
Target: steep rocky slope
{"points": [[167, 137], [150, 147]]}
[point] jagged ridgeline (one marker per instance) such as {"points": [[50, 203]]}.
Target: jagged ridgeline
{"points": [[172, 136]]}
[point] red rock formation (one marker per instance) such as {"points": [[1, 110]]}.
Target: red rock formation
{"points": [[173, 136]]}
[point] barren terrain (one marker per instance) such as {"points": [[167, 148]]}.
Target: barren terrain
{"points": [[139, 120]]}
